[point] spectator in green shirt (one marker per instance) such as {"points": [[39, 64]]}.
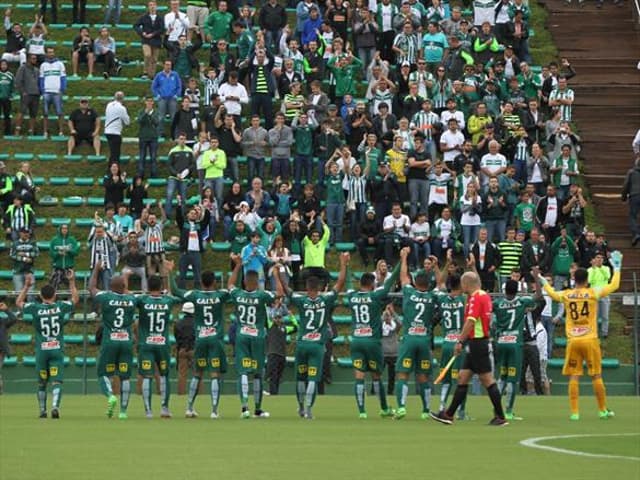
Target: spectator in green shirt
{"points": [[599, 276], [218, 24], [524, 213], [344, 70], [315, 246]]}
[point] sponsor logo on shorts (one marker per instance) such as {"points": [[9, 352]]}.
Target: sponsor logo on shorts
{"points": [[207, 332], [512, 371], [580, 331], [312, 337], [246, 362], [373, 365], [156, 340], [146, 365], [363, 332], [419, 330], [215, 362], [119, 336], [201, 362], [163, 365], [507, 339], [302, 369], [357, 364], [454, 374], [425, 364], [51, 345], [406, 363], [53, 371], [110, 367], [123, 367], [43, 374], [313, 371], [249, 331]]}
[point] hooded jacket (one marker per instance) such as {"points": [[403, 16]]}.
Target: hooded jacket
{"points": [[631, 185], [63, 250]]}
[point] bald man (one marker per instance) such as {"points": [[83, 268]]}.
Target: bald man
{"points": [[475, 340], [116, 118]]}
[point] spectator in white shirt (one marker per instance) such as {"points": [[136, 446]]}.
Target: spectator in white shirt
{"points": [[451, 112], [176, 23], [451, 142], [116, 118], [420, 235], [492, 163], [396, 232], [233, 95]]}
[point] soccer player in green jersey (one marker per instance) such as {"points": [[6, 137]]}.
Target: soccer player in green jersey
{"points": [[510, 314], [251, 314], [450, 310], [209, 332], [314, 311], [415, 350], [154, 350], [48, 317], [366, 307], [118, 309]]}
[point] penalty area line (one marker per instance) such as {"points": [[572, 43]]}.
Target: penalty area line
{"points": [[535, 443]]}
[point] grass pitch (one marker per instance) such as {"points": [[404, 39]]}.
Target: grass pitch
{"points": [[85, 444]]}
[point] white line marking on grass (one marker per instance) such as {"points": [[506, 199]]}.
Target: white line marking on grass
{"points": [[534, 443]]}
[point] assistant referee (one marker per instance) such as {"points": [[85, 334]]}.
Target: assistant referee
{"points": [[475, 339]]}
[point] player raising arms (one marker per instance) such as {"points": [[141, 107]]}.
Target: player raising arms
{"points": [[208, 322], [118, 309], [251, 314], [510, 314], [314, 310], [581, 317], [366, 307], [48, 317], [475, 339], [153, 342], [415, 349], [450, 308]]}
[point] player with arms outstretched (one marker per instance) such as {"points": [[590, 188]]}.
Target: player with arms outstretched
{"points": [[581, 317], [510, 315], [208, 322], [154, 350], [251, 314], [450, 310], [48, 318], [475, 339], [415, 350], [118, 309], [314, 310], [366, 307]]}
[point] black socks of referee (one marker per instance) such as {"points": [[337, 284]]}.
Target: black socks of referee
{"points": [[458, 397], [496, 400]]}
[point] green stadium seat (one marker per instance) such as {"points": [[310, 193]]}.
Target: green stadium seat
{"points": [[220, 246], [38, 181], [11, 138], [23, 157], [43, 244], [149, 201], [342, 319], [172, 340], [333, 275], [91, 339], [3, 246], [83, 275], [173, 362], [73, 339], [157, 182], [6, 274], [437, 341], [555, 362], [74, 201], [170, 247], [610, 363], [345, 246], [340, 340], [11, 361], [42, 221], [83, 181], [125, 159], [84, 222], [48, 201], [96, 158], [345, 362], [39, 274], [30, 361], [20, 339], [95, 201], [88, 361], [59, 181], [57, 221], [47, 157], [73, 158], [560, 342]]}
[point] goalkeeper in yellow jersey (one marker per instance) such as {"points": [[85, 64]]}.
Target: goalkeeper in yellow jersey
{"points": [[581, 310]]}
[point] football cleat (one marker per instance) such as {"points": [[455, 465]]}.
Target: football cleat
{"points": [[165, 413], [400, 413], [261, 414], [55, 413], [190, 413], [498, 422], [574, 417], [441, 417], [111, 405]]}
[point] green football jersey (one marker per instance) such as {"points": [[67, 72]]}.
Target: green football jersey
{"points": [[417, 312], [510, 316], [451, 312], [48, 321], [154, 319], [208, 318], [366, 309], [118, 315], [251, 311], [314, 314]]}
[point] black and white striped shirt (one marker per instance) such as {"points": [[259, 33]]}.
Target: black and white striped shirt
{"points": [[153, 240]]}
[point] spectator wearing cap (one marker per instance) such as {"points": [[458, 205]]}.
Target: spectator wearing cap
{"points": [[184, 332], [150, 28], [166, 88], [84, 126], [24, 252], [631, 194], [116, 118], [457, 59], [368, 236], [434, 46]]}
